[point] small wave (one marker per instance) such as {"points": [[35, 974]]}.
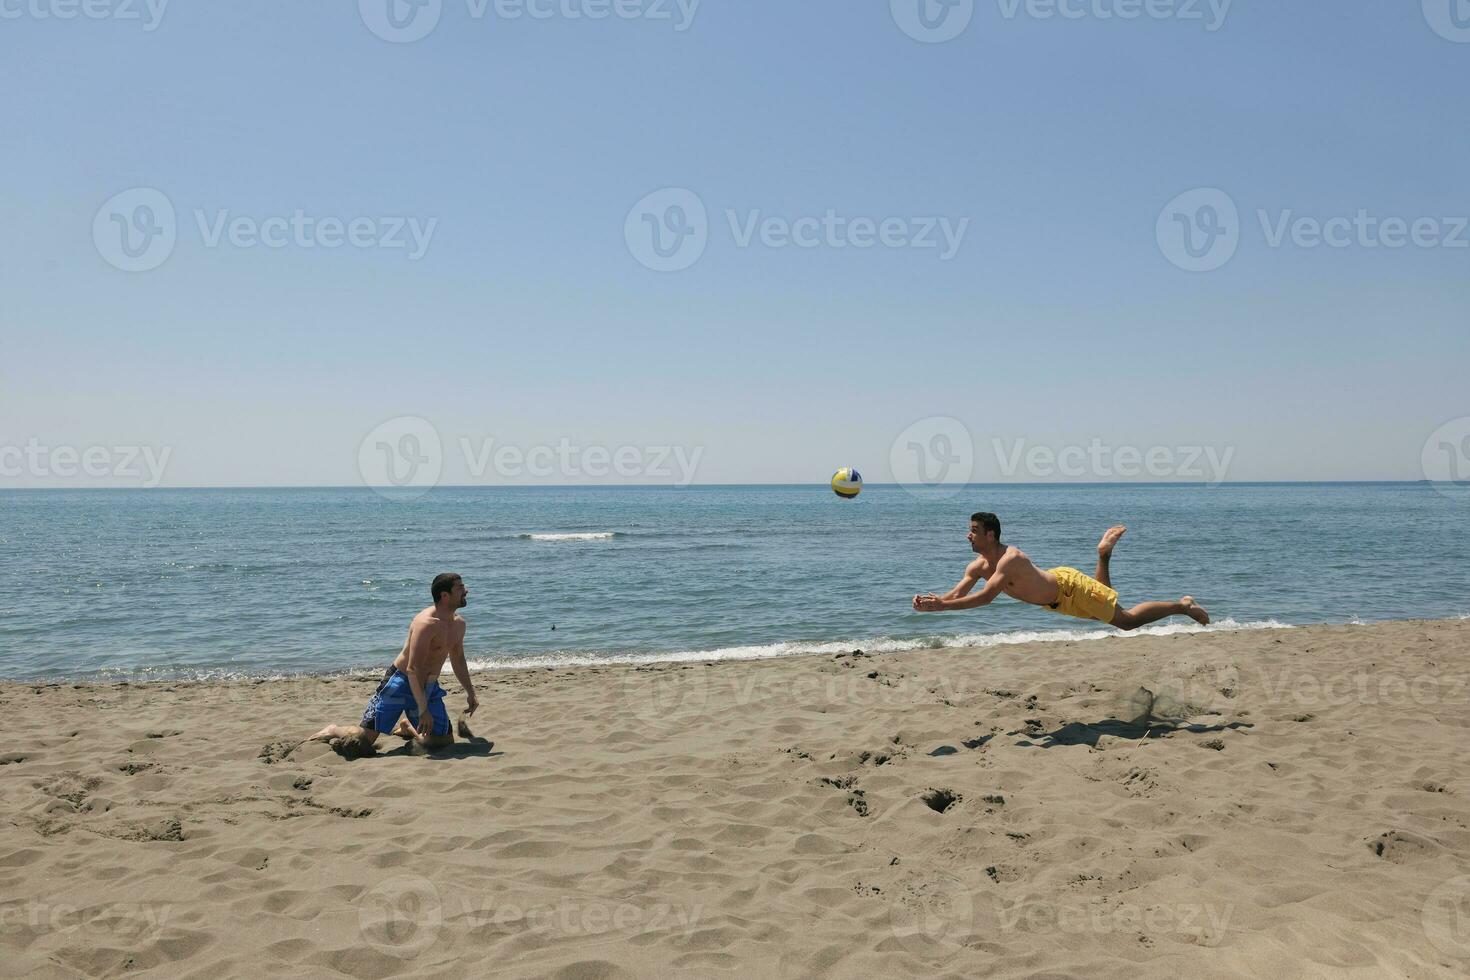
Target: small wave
{"points": [[882, 644], [480, 535], [572, 536]]}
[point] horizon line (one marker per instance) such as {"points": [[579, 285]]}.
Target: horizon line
{"points": [[424, 491]]}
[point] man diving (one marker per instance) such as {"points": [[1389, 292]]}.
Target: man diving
{"points": [[1063, 590]]}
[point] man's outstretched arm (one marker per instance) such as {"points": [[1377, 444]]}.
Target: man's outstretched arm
{"points": [[981, 598], [956, 599], [962, 588]]}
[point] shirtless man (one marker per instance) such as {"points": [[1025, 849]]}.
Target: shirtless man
{"points": [[1063, 590], [411, 685]]}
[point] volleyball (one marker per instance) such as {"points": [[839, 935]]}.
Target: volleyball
{"points": [[847, 483]]}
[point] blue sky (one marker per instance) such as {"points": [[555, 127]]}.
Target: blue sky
{"points": [[524, 145]]}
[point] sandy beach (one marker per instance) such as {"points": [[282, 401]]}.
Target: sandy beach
{"points": [[1266, 803]]}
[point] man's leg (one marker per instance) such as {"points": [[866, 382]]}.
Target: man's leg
{"points": [[1105, 552], [364, 734], [1150, 612], [364, 737]]}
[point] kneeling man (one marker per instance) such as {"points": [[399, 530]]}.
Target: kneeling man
{"points": [[411, 685]]}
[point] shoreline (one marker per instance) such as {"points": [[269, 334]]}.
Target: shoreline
{"points": [[780, 650], [1296, 805]]}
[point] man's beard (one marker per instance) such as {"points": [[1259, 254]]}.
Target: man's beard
{"points": [[464, 602]]}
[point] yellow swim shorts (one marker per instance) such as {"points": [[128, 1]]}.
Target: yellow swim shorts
{"points": [[1083, 596]]}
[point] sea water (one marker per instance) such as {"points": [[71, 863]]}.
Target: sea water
{"points": [[262, 582]]}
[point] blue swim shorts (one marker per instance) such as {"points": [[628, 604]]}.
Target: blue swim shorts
{"points": [[395, 698]]}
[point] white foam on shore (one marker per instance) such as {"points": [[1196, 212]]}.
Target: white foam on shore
{"points": [[876, 645], [172, 674]]}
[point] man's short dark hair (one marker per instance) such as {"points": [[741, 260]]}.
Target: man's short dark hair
{"points": [[987, 522], [443, 582]]}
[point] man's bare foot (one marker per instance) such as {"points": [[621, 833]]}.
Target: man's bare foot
{"points": [[1110, 540], [404, 729], [1195, 611]]}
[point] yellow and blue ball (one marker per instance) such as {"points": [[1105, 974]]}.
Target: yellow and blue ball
{"points": [[847, 483]]}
